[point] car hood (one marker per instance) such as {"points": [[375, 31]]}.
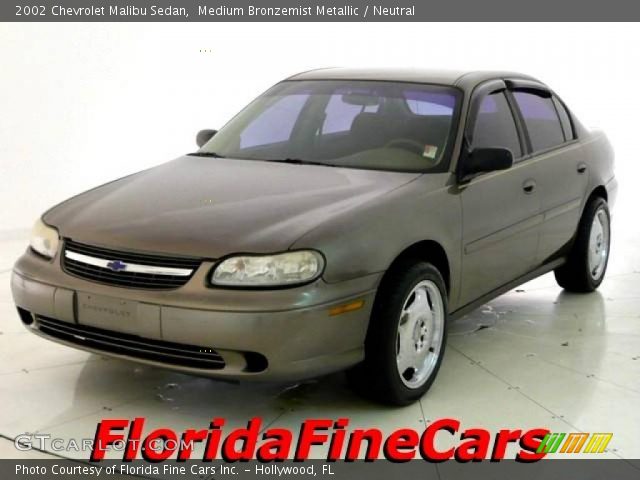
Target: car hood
{"points": [[211, 207]]}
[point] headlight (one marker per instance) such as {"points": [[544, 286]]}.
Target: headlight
{"points": [[44, 239], [269, 270]]}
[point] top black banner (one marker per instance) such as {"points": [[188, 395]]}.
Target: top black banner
{"points": [[317, 10]]}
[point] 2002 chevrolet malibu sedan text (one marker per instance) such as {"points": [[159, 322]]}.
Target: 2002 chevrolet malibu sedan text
{"points": [[340, 221]]}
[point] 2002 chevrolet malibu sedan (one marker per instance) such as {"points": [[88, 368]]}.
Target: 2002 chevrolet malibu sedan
{"points": [[340, 221]]}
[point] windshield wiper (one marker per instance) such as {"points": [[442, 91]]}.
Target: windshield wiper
{"points": [[206, 154], [299, 161]]}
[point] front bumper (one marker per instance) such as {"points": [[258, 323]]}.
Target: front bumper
{"points": [[277, 335]]}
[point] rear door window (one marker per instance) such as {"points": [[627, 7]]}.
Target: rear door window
{"points": [[540, 119]]}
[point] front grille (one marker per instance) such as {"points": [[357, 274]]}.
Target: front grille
{"points": [[132, 345], [124, 278]]}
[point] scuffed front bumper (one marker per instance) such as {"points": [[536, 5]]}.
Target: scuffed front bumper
{"points": [[278, 335]]}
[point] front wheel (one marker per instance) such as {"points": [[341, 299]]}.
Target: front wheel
{"points": [[587, 261], [407, 335]]}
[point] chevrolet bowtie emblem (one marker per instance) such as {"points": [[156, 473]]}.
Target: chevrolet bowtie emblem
{"points": [[116, 266]]}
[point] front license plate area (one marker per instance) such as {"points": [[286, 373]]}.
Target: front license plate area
{"points": [[106, 309], [106, 312], [118, 315]]}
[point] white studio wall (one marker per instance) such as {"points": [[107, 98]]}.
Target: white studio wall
{"points": [[82, 104]]}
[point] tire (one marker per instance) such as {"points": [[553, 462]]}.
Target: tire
{"points": [[409, 315], [587, 261]]}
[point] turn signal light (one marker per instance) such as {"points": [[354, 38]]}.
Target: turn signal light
{"points": [[347, 307]]}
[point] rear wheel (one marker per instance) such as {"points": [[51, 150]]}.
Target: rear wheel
{"points": [[406, 337], [587, 261]]}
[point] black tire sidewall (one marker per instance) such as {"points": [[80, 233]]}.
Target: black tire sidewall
{"points": [[583, 252], [380, 347]]}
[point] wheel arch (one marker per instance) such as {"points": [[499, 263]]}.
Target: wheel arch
{"points": [[598, 191], [428, 251]]}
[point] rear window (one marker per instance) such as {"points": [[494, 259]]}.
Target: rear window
{"points": [[541, 119]]}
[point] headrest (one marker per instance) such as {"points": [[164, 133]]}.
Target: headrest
{"points": [[368, 124]]}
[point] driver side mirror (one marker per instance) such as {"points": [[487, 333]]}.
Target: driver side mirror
{"points": [[483, 160], [204, 136]]}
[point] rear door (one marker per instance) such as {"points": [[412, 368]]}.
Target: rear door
{"points": [[562, 172], [501, 210]]}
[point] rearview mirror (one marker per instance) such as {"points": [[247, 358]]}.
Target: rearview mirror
{"points": [[360, 99], [482, 160], [204, 136]]}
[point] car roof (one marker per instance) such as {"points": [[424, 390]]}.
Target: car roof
{"points": [[460, 78]]}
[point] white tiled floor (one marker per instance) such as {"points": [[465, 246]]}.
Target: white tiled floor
{"points": [[544, 358]]}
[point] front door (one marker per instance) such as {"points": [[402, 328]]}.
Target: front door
{"points": [[501, 210]]}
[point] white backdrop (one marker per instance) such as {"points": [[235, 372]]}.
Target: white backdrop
{"points": [[82, 104]]}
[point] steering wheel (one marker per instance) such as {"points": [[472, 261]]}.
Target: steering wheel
{"points": [[406, 144]]}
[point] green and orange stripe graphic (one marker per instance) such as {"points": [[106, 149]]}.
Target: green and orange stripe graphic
{"points": [[574, 443]]}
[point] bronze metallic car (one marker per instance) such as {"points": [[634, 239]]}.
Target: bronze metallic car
{"points": [[340, 221]]}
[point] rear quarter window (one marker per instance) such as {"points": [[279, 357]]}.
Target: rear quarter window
{"points": [[565, 119]]}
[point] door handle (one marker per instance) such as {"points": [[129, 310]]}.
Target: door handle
{"points": [[582, 167], [529, 186]]}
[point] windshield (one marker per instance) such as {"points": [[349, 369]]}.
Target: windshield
{"points": [[357, 124]]}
